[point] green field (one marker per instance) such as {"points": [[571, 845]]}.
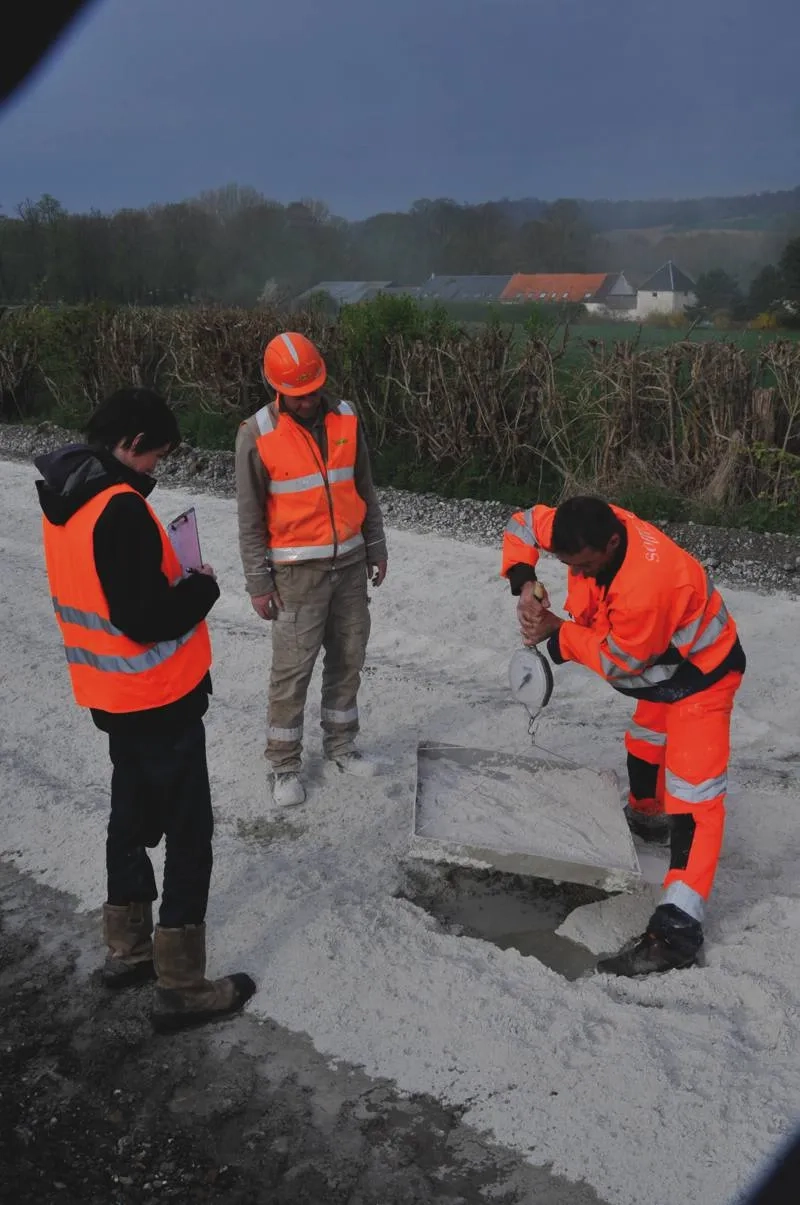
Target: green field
{"points": [[660, 336], [527, 318], [582, 334]]}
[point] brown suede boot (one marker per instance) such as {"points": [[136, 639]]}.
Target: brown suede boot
{"points": [[183, 996], [127, 931]]}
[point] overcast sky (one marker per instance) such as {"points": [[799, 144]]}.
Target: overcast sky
{"points": [[370, 104]]}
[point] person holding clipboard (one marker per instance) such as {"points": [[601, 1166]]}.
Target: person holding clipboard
{"points": [[132, 619], [185, 540]]}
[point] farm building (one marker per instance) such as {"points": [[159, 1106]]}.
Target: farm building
{"points": [[598, 291], [464, 288], [345, 292], [401, 291], [668, 291]]}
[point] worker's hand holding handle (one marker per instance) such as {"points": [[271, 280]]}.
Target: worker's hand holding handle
{"points": [[532, 601], [535, 594], [536, 620]]}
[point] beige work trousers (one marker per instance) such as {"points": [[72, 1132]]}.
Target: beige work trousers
{"points": [[326, 608]]}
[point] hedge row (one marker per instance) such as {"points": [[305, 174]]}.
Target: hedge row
{"points": [[708, 428]]}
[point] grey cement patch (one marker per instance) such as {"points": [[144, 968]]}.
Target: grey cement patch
{"points": [[96, 1110]]}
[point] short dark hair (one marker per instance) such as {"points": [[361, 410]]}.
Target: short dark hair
{"points": [[131, 412], [583, 522]]}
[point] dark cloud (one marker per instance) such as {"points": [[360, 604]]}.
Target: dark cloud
{"points": [[369, 106]]}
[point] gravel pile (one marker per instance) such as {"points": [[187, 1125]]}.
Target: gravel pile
{"points": [[760, 561]]}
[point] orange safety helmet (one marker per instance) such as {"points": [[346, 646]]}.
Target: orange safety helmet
{"points": [[293, 365]]}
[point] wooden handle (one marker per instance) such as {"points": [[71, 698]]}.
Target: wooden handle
{"points": [[538, 590]]}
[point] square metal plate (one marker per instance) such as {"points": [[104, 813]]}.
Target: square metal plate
{"points": [[529, 815]]}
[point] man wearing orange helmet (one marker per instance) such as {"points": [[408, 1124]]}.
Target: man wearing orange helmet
{"points": [[310, 536]]}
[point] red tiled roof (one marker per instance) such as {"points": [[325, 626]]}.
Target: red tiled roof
{"points": [[553, 286]]}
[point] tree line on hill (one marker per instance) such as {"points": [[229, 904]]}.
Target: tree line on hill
{"points": [[773, 294], [233, 246], [754, 211]]}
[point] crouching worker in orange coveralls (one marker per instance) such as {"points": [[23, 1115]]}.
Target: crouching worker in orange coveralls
{"points": [[645, 616]]}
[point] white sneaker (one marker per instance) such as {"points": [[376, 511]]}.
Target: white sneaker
{"points": [[288, 790], [354, 762]]}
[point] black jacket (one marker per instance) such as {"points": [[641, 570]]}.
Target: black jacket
{"points": [[127, 557]]}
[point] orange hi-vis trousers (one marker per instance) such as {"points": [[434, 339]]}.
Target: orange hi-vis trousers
{"points": [[687, 744]]}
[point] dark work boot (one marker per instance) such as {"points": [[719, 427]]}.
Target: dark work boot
{"points": [[183, 997], [127, 931], [672, 942], [648, 821]]}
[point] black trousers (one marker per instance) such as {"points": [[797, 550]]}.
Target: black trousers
{"points": [[160, 788]]}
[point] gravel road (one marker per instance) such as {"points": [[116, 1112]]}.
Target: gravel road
{"points": [[756, 560]]}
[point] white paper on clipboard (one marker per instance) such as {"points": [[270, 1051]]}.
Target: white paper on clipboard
{"points": [[185, 539]]}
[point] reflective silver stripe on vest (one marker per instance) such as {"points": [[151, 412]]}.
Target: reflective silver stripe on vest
{"points": [[523, 532], [313, 552], [695, 792], [85, 619], [633, 673], [712, 633], [637, 733], [265, 421], [347, 474], [686, 898], [619, 678], [687, 634], [298, 485], [716, 625], [631, 662], [643, 674], [110, 663], [636, 674]]}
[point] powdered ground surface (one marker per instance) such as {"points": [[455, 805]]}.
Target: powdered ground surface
{"points": [[652, 1092]]}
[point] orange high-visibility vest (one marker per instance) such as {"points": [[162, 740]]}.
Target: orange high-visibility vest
{"points": [[313, 507], [661, 598], [108, 670]]}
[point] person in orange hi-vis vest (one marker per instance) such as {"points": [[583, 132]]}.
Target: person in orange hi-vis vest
{"points": [[310, 537], [138, 654], [646, 617]]}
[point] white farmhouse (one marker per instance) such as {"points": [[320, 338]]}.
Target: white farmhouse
{"points": [[668, 291]]}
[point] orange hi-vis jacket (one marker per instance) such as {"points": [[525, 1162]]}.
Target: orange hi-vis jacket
{"points": [[660, 611], [108, 670], [314, 510]]}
